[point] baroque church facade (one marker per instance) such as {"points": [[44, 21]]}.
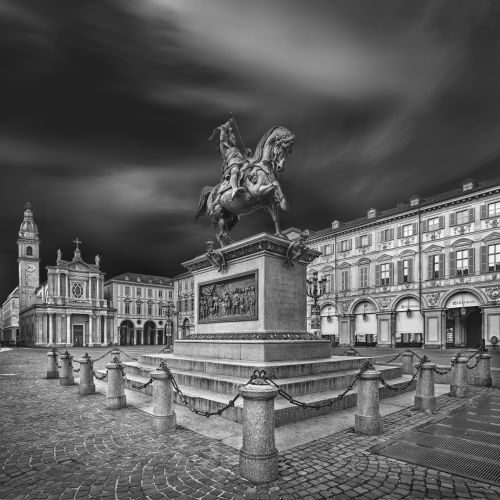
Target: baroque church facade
{"points": [[69, 309]]}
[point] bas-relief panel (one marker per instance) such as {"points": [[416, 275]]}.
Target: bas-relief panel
{"points": [[232, 299]]}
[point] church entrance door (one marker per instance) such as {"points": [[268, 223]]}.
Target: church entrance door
{"points": [[78, 335]]}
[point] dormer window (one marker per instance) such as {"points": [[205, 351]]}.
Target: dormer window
{"points": [[372, 213], [127, 277], [414, 201], [138, 278], [336, 224], [468, 184]]}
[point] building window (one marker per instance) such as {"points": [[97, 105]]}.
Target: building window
{"points": [[436, 266], [433, 224], [127, 308], [344, 279], [345, 245], [326, 249], [405, 271], [385, 274], [365, 240], [494, 209], [387, 235], [138, 292], [160, 294], [127, 291], [462, 217], [93, 288], [170, 294], [407, 230], [494, 257], [29, 251], [462, 257], [150, 292], [150, 310], [77, 290], [138, 309], [363, 277]]}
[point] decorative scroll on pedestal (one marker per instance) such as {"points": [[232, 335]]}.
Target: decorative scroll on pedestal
{"points": [[233, 299]]}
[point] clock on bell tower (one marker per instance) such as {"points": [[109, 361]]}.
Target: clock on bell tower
{"points": [[28, 259]]}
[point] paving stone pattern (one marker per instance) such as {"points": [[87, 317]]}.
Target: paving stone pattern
{"points": [[57, 444]]}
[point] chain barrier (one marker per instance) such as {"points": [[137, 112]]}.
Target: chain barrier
{"points": [[455, 359], [143, 386], [166, 348], [405, 386], [98, 377], [471, 367], [389, 361], [420, 358], [350, 351], [103, 356], [441, 372], [129, 357]]}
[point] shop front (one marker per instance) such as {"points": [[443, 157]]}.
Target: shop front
{"points": [[464, 320], [365, 324], [330, 324], [409, 323]]}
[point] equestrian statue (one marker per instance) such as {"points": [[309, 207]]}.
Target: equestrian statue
{"points": [[248, 182]]}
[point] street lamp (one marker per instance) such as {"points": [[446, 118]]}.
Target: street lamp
{"points": [[169, 309], [316, 289]]}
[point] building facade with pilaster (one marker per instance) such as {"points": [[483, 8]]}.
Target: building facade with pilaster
{"points": [[184, 297], [9, 322], [426, 273], [144, 307], [69, 309]]}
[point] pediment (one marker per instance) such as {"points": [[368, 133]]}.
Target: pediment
{"points": [[344, 265], [462, 242], [80, 266], [363, 261], [433, 249], [383, 257], [327, 269], [491, 237], [407, 253]]}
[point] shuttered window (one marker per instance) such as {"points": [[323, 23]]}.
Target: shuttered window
{"points": [[462, 262], [345, 245], [462, 217], [344, 279], [433, 224], [387, 235], [364, 240], [407, 230], [405, 271], [384, 274], [435, 266], [363, 277]]}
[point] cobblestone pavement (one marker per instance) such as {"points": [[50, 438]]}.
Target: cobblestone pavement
{"points": [[57, 444]]}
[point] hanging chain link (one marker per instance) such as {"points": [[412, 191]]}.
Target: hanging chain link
{"points": [[404, 386], [441, 372], [99, 377]]}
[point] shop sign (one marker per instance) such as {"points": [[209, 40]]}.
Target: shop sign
{"points": [[462, 300]]}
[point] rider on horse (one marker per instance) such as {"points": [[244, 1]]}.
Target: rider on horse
{"points": [[232, 159]]}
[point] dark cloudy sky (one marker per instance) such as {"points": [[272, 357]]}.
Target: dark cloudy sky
{"points": [[106, 107]]}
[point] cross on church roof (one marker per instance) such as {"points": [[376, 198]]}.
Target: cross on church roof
{"points": [[27, 206], [77, 241]]}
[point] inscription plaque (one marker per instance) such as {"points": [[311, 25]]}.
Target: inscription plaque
{"points": [[232, 299]]}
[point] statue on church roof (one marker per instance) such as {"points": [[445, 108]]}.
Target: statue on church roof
{"points": [[59, 255], [97, 260], [248, 182]]}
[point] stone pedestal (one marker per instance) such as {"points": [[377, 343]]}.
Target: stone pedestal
{"points": [[367, 417], [482, 374], [115, 398], [115, 354], [425, 400], [458, 386], [258, 455], [87, 385], [52, 369], [66, 370], [408, 363], [163, 402]]}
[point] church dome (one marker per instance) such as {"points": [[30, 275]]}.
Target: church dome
{"points": [[28, 227]]}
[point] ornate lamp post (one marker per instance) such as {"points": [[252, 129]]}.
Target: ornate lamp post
{"points": [[169, 309], [316, 289]]}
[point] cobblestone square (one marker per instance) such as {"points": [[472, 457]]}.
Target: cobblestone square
{"points": [[58, 444]]}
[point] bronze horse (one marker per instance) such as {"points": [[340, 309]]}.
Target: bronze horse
{"points": [[260, 182]]}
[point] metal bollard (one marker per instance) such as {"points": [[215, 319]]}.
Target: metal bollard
{"points": [[115, 398], [458, 386], [425, 400], [408, 363], [66, 369], [87, 385], [258, 455], [52, 369], [164, 419], [367, 419], [482, 375]]}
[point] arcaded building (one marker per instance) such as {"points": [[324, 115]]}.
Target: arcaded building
{"points": [[426, 273], [144, 309]]}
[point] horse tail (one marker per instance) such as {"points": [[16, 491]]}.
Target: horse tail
{"points": [[202, 204]]}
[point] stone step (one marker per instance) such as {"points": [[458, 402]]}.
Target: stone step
{"points": [[295, 385], [280, 369], [285, 411]]}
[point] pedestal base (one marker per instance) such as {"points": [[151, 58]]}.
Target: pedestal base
{"points": [[164, 424], [86, 389], [67, 381], [259, 468], [116, 402], [368, 425], [425, 403], [54, 374]]}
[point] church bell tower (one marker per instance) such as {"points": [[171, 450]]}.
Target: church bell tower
{"points": [[28, 259]]}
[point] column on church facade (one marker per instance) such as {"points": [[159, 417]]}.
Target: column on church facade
{"points": [[45, 335], [91, 330], [106, 330], [51, 329], [98, 329], [58, 278], [68, 329]]}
